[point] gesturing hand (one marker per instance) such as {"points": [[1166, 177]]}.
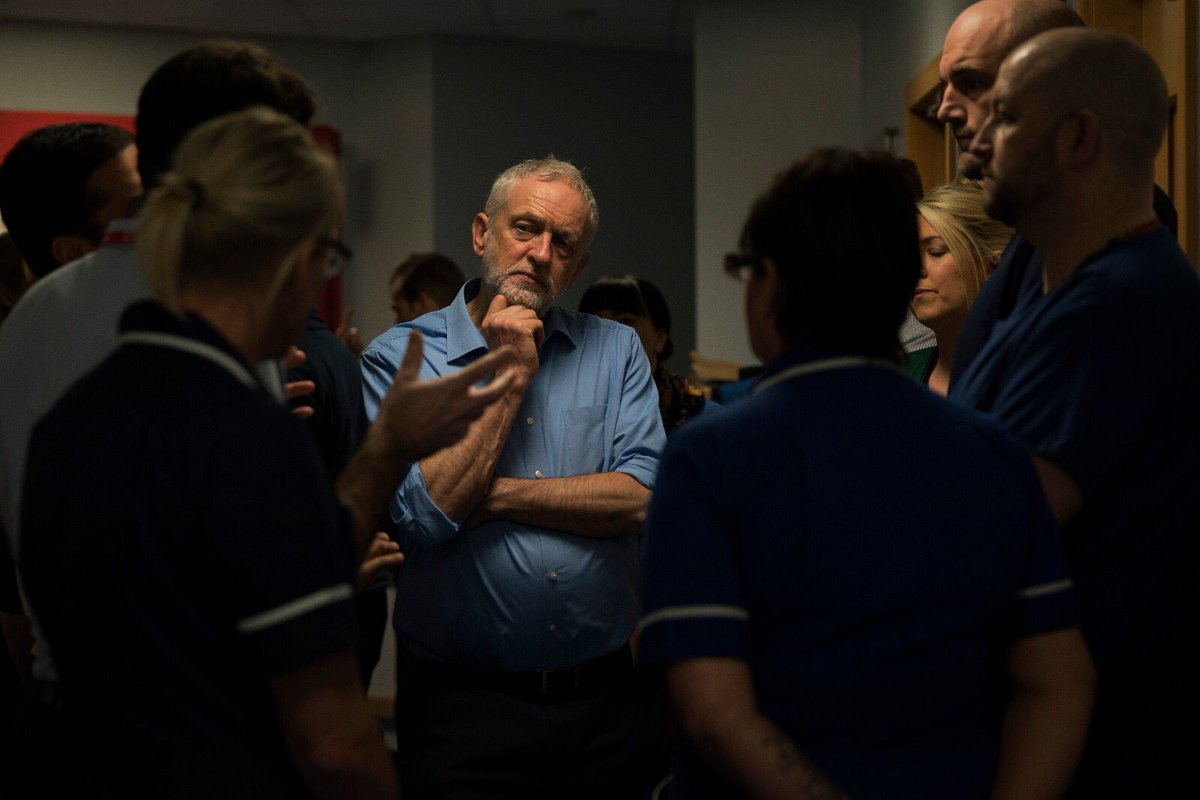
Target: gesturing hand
{"points": [[517, 326], [382, 554], [293, 389], [417, 418], [348, 334]]}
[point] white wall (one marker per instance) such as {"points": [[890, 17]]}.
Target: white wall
{"points": [[899, 39], [773, 79], [388, 155], [379, 96], [66, 68]]}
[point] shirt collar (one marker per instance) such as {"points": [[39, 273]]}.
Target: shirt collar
{"points": [[463, 338]]}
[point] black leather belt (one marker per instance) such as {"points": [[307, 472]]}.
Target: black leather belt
{"points": [[602, 671]]}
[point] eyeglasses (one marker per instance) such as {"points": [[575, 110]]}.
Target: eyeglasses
{"points": [[337, 256], [740, 266]]}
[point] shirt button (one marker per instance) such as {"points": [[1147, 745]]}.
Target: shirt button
{"points": [[553, 627], [553, 574], [537, 473], [529, 420]]}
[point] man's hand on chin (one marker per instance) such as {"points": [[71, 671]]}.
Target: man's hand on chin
{"points": [[517, 326]]}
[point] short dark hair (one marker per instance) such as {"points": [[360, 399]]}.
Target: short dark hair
{"points": [[43, 186], [628, 294], [208, 81], [840, 226], [433, 273]]}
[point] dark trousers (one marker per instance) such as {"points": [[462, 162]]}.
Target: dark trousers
{"points": [[459, 739]]}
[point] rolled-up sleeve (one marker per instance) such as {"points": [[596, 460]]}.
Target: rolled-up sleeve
{"points": [[639, 438], [419, 521]]}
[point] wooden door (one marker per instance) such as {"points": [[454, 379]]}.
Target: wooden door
{"points": [[928, 142], [1167, 29]]}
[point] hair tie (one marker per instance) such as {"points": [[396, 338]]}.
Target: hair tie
{"points": [[197, 194]]}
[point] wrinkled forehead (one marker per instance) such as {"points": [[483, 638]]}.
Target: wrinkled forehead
{"points": [[555, 201]]}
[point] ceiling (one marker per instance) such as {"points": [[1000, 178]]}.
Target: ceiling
{"points": [[639, 24]]}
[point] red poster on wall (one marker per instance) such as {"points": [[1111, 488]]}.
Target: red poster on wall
{"points": [[15, 123]]}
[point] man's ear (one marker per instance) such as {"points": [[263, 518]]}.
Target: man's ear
{"points": [[480, 228], [1083, 139], [70, 246], [583, 260]]}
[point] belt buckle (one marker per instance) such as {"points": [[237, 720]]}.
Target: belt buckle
{"points": [[558, 681]]}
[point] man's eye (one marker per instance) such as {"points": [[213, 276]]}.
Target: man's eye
{"points": [[972, 86]]}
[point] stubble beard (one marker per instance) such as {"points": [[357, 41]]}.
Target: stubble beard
{"points": [[499, 280], [970, 166], [1010, 202]]}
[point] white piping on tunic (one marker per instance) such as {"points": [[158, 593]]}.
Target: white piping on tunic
{"points": [[824, 365], [296, 608], [675, 613], [183, 343], [1054, 587]]}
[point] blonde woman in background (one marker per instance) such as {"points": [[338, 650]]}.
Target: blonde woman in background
{"points": [[189, 560], [960, 244]]}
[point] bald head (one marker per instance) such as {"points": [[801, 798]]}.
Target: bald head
{"points": [[976, 44], [1075, 115], [1105, 73]]}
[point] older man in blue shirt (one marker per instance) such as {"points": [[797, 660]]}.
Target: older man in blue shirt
{"points": [[515, 607]]}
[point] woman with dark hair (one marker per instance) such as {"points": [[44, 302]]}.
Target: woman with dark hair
{"points": [[824, 635], [640, 305]]}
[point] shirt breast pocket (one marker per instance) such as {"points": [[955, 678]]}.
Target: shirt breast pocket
{"points": [[584, 449]]}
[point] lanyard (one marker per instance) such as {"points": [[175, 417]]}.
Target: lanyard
{"points": [[824, 365], [119, 237]]}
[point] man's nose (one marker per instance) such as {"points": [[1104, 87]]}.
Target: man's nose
{"points": [[950, 109], [981, 144], [539, 248]]}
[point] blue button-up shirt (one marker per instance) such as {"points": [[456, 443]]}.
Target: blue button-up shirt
{"points": [[509, 596]]}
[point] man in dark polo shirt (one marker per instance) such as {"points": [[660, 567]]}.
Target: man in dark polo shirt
{"points": [[1098, 375], [837, 566], [982, 35]]}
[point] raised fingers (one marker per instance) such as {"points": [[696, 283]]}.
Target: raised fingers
{"points": [[493, 390], [294, 357], [294, 389], [480, 368]]}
